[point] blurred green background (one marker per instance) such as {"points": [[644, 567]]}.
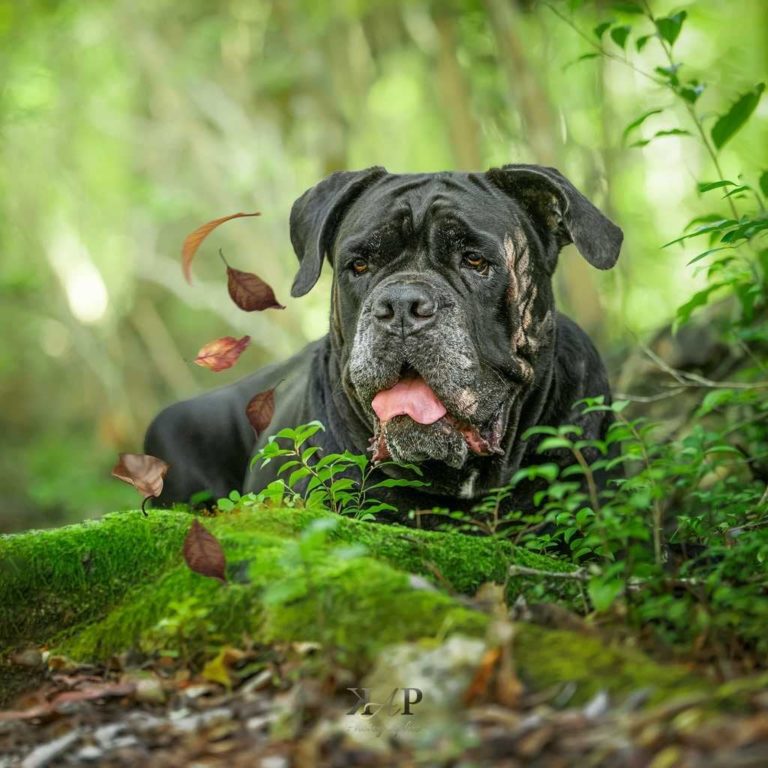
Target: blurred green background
{"points": [[124, 124]]}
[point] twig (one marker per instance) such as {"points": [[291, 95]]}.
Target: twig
{"points": [[649, 398], [582, 576], [687, 379], [599, 48], [523, 570]]}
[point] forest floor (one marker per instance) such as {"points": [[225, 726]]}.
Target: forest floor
{"points": [[487, 683], [160, 714]]}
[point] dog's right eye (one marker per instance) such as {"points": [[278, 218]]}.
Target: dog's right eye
{"points": [[359, 266]]}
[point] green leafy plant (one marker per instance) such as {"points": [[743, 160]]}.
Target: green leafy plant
{"points": [[675, 544], [341, 482], [735, 261]]}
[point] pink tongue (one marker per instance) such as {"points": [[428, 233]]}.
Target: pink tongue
{"points": [[410, 397]]}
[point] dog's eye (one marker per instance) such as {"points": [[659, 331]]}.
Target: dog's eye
{"points": [[471, 260], [359, 266]]}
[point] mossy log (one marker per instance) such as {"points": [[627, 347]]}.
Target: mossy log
{"points": [[92, 590]]}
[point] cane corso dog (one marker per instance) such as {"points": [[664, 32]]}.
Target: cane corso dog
{"points": [[444, 344]]}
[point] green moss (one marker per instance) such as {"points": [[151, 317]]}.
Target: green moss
{"points": [[354, 606], [461, 561], [548, 657], [54, 582], [99, 588], [54, 578]]}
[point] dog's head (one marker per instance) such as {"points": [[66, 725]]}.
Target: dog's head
{"points": [[442, 301]]}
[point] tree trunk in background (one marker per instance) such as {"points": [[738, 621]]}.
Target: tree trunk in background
{"points": [[574, 279], [455, 93]]}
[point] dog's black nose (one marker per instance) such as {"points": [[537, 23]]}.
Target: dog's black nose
{"points": [[404, 308]]}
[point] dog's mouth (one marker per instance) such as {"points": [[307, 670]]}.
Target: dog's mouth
{"points": [[411, 401]]}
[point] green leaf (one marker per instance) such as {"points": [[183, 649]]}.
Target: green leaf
{"points": [[599, 30], [620, 34], [737, 190], [699, 299], [705, 186], [583, 57], [635, 8], [669, 73], [642, 41], [706, 253], [553, 443], [543, 430], [669, 27], [343, 484], [394, 482], [661, 135], [764, 183], [691, 91], [309, 452], [639, 121], [297, 475], [727, 124], [716, 226], [379, 507]]}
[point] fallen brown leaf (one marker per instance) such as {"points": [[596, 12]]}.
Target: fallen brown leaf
{"points": [[249, 291], [203, 553], [194, 239], [49, 709], [223, 353], [144, 472], [261, 409]]}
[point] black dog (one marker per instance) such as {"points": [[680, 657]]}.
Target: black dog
{"points": [[444, 343]]}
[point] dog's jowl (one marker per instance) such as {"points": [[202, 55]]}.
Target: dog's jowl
{"points": [[444, 344]]}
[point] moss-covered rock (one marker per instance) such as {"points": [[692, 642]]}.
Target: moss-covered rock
{"points": [[99, 588], [51, 580]]}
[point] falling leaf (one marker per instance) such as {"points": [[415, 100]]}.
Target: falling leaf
{"points": [[249, 291], [193, 240], [261, 409], [203, 553], [222, 353], [145, 473]]}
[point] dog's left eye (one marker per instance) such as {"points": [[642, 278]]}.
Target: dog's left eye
{"points": [[359, 266], [471, 260]]}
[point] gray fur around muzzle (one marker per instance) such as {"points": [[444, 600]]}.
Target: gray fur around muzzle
{"points": [[410, 329]]}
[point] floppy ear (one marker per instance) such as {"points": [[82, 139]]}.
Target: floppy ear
{"points": [[316, 216], [552, 200]]}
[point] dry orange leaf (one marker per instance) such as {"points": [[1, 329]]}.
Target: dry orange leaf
{"points": [[478, 687], [223, 353], [203, 553], [261, 409], [194, 239]]}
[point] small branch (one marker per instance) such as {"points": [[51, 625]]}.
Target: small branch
{"points": [[687, 379], [649, 398], [523, 570], [582, 576], [599, 48]]}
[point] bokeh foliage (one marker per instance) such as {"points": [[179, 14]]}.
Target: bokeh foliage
{"points": [[126, 123]]}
